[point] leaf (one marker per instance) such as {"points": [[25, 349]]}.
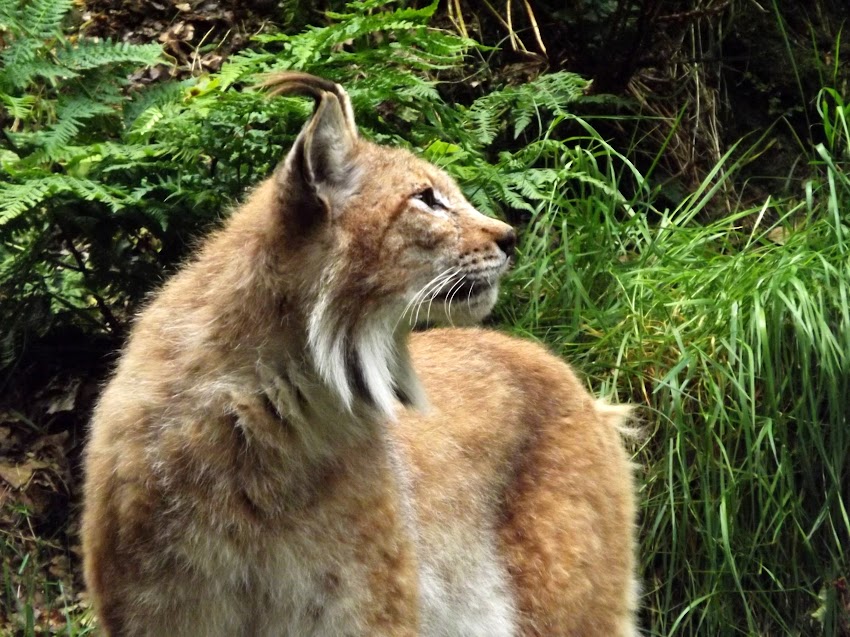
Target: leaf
{"points": [[87, 54], [19, 475]]}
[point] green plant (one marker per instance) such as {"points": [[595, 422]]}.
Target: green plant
{"points": [[736, 341], [732, 331], [60, 94], [35, 594], [103, 193], [62, 99]]}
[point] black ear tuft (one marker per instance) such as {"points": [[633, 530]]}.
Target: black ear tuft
{"points": [[297, 83], [320, 166]]}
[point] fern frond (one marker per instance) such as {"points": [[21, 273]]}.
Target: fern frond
{"points": [[80, 108], [91, 190], [71, 116], [20, 51], [18, 107], [18, 76], [161, 95], [551, 93], [88, 54], [117, 154], [41, 19], [146, 121], [39, 51], [8, 13], [22, 60], [244, 64], [16, 199], [8, 158], [321, 46]]}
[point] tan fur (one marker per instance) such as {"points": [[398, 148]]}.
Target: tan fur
{"points": [[251, 472]]}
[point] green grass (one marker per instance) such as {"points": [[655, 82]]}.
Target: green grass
{"points": [[37, 595], [731, 332], [734, 337]]}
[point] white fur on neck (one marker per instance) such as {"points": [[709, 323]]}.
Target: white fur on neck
{"points": [[382, 350], [326, 341], [381, 353]]}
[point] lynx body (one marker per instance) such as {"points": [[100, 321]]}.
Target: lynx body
{"points": [[276, 454]]}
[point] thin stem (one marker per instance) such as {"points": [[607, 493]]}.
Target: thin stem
{"points": [[114, 325]]}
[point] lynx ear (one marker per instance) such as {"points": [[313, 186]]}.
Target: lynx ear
{"points": [[326, 146], [321, 160]]}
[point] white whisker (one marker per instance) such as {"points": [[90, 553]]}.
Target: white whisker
{"points": [[450, 297], [437, 284], [420, 294], [436, 292]]}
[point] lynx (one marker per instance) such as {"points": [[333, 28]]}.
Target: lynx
{"points": [[278, 453]]}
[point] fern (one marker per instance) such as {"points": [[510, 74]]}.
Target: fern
{"points": [[74, 84], [35, 19], [84, 55], [174, 157], [382, 41], [71, 117], [36, 47], [106, 156], [64, 101], [18, 107], [16, 199], [548, 93]]}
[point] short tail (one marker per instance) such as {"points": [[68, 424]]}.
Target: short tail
{"points": [[622, 418]]}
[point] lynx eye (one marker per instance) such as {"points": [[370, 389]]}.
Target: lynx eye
{"points": [[429, 198]]}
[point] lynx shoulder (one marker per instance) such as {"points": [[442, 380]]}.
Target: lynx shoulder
{"points": [[277, 454]]}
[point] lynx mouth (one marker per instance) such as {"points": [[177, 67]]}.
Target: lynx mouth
{"points": [[463, 291], [457, 296]]}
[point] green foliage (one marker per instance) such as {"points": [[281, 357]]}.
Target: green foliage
{"points": [[35, 49], [98, 185], [24, 587], [61, 100], [835, 114], [737, 341], [733, 334], [549, 93]]}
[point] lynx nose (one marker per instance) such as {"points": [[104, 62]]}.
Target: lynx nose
{"points": [[507, 242]]}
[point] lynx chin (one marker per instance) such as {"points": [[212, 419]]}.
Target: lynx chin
{"points": [[278, 455]]}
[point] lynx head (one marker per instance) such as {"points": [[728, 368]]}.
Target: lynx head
{"points": [[380, 240]]}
